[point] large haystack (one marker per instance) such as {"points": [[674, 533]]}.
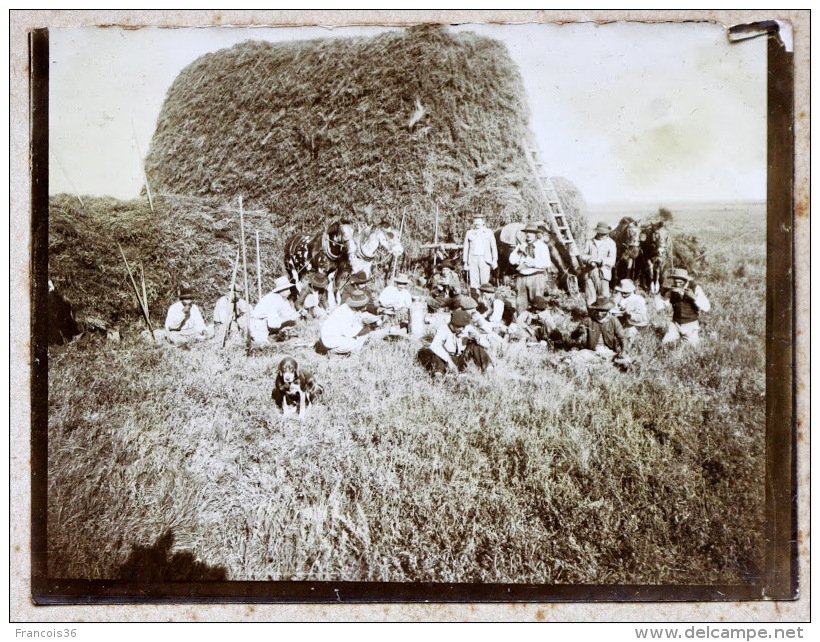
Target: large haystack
{"points": [[365, 128]]}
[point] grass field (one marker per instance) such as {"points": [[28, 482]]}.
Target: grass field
{"points": [[168, 463]]}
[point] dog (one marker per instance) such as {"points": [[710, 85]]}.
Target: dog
{"points": [[295, 389]]}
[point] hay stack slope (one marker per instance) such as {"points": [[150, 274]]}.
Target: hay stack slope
{"points": [[364, 128]]}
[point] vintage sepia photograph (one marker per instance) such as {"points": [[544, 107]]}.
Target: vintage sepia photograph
{"points": [[395, 313]]}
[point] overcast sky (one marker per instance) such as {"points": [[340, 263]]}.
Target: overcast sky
{"points": [[627, 111]]}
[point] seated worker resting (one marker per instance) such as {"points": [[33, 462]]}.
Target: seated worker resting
{"points": [[630, 308], [346, 330], [313, 299], [688, 301], [295, 389], [184, 322], [535, 324], [446, 285], [491, 307], [231, 309], [601, 333], [359, 281], [395, 300], [274, 312], [455, 344]]}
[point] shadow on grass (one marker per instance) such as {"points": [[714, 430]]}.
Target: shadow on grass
{"points": [[157, 564]]}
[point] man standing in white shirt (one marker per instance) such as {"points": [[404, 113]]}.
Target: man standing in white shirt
{"points": [[532, 260], [480, 253], [598, 259]]}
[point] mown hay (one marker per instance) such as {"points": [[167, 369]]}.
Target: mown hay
{"points": [[365, 128]]}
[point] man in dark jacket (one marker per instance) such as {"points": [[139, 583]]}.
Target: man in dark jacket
{"points": [[601, 332], [688, 301]]}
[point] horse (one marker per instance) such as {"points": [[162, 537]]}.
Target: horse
{"points": [[627, 237], [339, 250], [655, 253]]}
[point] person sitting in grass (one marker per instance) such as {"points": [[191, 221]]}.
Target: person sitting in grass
{"points": [[274, 313], [395, 300], [313, 300], [688, 301], [445, 286], [360, 281], [491, 307], [601, 333], [184, 322], [630, 308], [231, 309], [345, 331], [295, 389], [454, 346], [535, 324]]}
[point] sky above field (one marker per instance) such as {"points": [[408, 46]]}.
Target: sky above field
{"points": [[630, 112]]}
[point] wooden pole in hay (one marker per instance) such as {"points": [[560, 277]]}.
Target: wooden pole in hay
{"points": [[137, 293], [258, 269], [244, 265], [142, 167], [435, 237], [396, 257], [230, 300], [144, 295]]}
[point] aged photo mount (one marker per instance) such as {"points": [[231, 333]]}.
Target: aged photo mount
{"points": [[164, 474]]}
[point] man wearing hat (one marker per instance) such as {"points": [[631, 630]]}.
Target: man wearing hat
{"points": [[184, 322], [532, 260], [313, 297], [536, 323], [231, 309], [490, 306], [480, 253], [395, 300], [358, 281], [630, 308], [598, 259], [688, 301], [455, 344], [274, 312], [344, 331], [601, 332], [446, 285]]}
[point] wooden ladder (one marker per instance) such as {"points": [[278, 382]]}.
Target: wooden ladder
{"points": [[558, 218]]}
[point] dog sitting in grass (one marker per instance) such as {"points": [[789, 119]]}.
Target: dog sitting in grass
{"points": [[295, 390]]}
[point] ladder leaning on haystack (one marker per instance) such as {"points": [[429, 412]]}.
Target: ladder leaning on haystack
{"points": [[558, 219]]}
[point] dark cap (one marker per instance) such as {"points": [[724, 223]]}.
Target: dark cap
{"points": [[460, 318]]}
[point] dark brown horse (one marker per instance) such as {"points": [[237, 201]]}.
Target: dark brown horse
{"points": [[627, 237], [654, 255]]}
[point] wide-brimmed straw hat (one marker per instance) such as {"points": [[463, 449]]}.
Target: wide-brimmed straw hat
{"points": [[679, 273], [487, 287], [602, 228], [601, 303], [460, 318], [627, 286], [402, 278], [531, 227], [359, 277], [356, 299], [282, 283]]}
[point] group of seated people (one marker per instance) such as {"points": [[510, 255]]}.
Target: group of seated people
{"points": [[468, 324]]}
